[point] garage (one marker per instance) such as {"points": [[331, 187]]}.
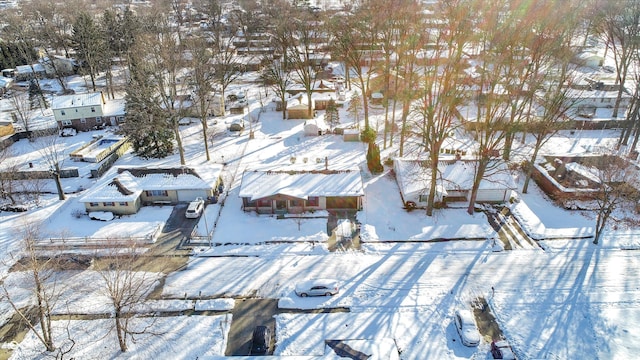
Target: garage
{"points": [[187, 195], [342, 202]]}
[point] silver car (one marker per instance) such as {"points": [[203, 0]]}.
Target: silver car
{"points": [[318, 287]]}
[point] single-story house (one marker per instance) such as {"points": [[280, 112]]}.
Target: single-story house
{"points": [[276, 192], [87, 111], [128, 190], [64, 66], [455, 180], [588, 59]]}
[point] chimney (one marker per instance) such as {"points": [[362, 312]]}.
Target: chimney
{"points": [[326, 163]]}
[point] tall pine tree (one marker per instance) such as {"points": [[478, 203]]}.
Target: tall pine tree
{"points": [[145, 122]]}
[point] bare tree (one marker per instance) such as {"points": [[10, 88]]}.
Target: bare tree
{"points": [[442, 84], [619, 26], [202, 77], [9, 167], [22, 110], [303, 55], [53, 153], [278, 78], [126, 289], [617, 188], [42, 281]]}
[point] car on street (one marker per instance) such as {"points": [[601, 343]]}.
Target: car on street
{"points": [[317, 287], [260, 341], [501, 349], [466, 327], [195, 208]]}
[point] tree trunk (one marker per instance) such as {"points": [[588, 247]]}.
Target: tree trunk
{"points": [[529, 170], [121, 332], [403, 125], [204, 136], [482, 167], [56, 178], [176, 130], [433, 185]]}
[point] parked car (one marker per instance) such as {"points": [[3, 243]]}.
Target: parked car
{"points": [[237, 125], [317, 287], [260, 341], [195, 208], [14, 207], [467, 328], [502, 350]]}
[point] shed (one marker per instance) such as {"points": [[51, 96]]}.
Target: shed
{"points": [[299, 111], [351, 135]]}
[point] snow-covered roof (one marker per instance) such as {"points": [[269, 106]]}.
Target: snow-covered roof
{"points": [[127, 187], [114, 107], [77, 100], [27, 69], [258, 184], [413, 176]]}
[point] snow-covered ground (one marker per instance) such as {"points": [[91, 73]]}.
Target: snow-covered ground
{"points": [[573, 300]]}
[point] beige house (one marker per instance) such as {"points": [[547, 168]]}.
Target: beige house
{"points": [[127, 191], [87, 111]]}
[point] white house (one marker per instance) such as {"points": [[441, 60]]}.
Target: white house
{"points": [[455, 180], [129, 189], [87, 111]]}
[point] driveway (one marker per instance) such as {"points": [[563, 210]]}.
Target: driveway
{"points": [[165, 254], [247, 314]]}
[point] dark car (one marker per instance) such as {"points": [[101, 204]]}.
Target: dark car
{"points": [[14, 207], [260, 341], [501, 350]]}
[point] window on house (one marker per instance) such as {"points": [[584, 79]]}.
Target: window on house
{"points": [[98, 119], [313, 201], [423, 198], [121, 119], [93, 109], [248, 203], [109, 203], [123, 203], [83, 121], [264, 203], [94, 204], [63, 113], [76, 110], [66, 123], [156, 193], [296, 203]]}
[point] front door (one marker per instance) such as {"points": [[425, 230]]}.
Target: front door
{"points": [[281, 204]]}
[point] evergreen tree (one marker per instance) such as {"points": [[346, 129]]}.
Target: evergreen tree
{"points": [[373, 158], [89, 45], [332, 116], [145, 122]]}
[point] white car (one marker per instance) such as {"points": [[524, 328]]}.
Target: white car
{"points": [[195, 208], [467, 328], [317, 287]]}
